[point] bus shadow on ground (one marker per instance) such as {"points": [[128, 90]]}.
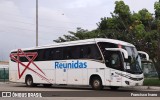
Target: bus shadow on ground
{"points": [[83, 88]]}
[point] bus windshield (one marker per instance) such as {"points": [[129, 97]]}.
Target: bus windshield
{"points": [[135, 63]]}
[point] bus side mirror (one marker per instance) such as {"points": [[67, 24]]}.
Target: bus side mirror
{"points": [[143, 55], [119, 49]]}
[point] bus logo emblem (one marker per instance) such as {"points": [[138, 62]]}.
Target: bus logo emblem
{"points": [[30, 56]]}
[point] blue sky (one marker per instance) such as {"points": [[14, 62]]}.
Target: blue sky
{"points": [[56, 17]]}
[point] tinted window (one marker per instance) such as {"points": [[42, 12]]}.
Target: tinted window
{"points": [[113, 60], [58, 54], [23, 59], [103, 45], [89, 51], [95, 53], [41, 55], [47, 54], [67, 53], [52, 54], [75, 52], [85, 51]]}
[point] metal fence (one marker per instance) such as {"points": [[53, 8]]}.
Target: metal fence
{"points": [[4, 74]]}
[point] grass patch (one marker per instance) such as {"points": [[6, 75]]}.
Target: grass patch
{"points": [[151, 82]]}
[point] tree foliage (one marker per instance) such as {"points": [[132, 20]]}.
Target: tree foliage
{"points": [[141, 29]]}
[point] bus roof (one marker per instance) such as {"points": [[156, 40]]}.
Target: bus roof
{"points": [[80, 42]]}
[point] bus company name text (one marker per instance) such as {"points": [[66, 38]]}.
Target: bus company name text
{"points": [[70, 65]]}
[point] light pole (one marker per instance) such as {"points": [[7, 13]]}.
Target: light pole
{"points": [[36, 22]]}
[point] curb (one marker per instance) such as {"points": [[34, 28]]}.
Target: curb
{"points": [[154, 87], [145, 88], [4, 82]]}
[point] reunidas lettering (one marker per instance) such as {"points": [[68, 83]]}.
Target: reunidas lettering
{"points": [[73, 64]]}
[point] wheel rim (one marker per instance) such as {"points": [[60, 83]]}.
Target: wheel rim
{"points": [[96, 83], [29, 81]]}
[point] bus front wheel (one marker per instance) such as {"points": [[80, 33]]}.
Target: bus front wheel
{"points": [[96, 83]]}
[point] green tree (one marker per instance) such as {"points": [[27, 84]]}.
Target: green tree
{"points": [[141, 29], [80, 34]]}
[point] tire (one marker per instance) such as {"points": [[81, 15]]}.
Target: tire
{"points": [[114, 87], [29, 81], [47, 85], [96, 83]]}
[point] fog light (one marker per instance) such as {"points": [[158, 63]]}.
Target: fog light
{"points": [[127, 82]]}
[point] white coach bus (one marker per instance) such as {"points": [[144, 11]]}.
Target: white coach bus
{"points": [[97, 62]]}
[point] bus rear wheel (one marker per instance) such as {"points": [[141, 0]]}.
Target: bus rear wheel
{"points": [[29, 81], [96, 83]]}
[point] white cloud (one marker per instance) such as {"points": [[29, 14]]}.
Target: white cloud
{"points": [[84, 3], [18, 30], [51, 14], [136, 5], [11, 31], [56, 17], [52, 24]]}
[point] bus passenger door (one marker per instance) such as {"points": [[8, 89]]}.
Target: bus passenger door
{"points": [[61, 76], [114, 62]]}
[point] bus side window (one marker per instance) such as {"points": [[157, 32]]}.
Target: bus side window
{"points": [[114, 60], [23, 59], [81, 52], [58, 54], [104, 45], [15, 56], [95, 53], [47, 54], [67, 53], [90, 52], [84, 52], [75, 52], [52, 53], [41, 55]]}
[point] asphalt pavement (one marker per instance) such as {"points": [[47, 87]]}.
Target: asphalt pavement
{"points": [[19, 91]]}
